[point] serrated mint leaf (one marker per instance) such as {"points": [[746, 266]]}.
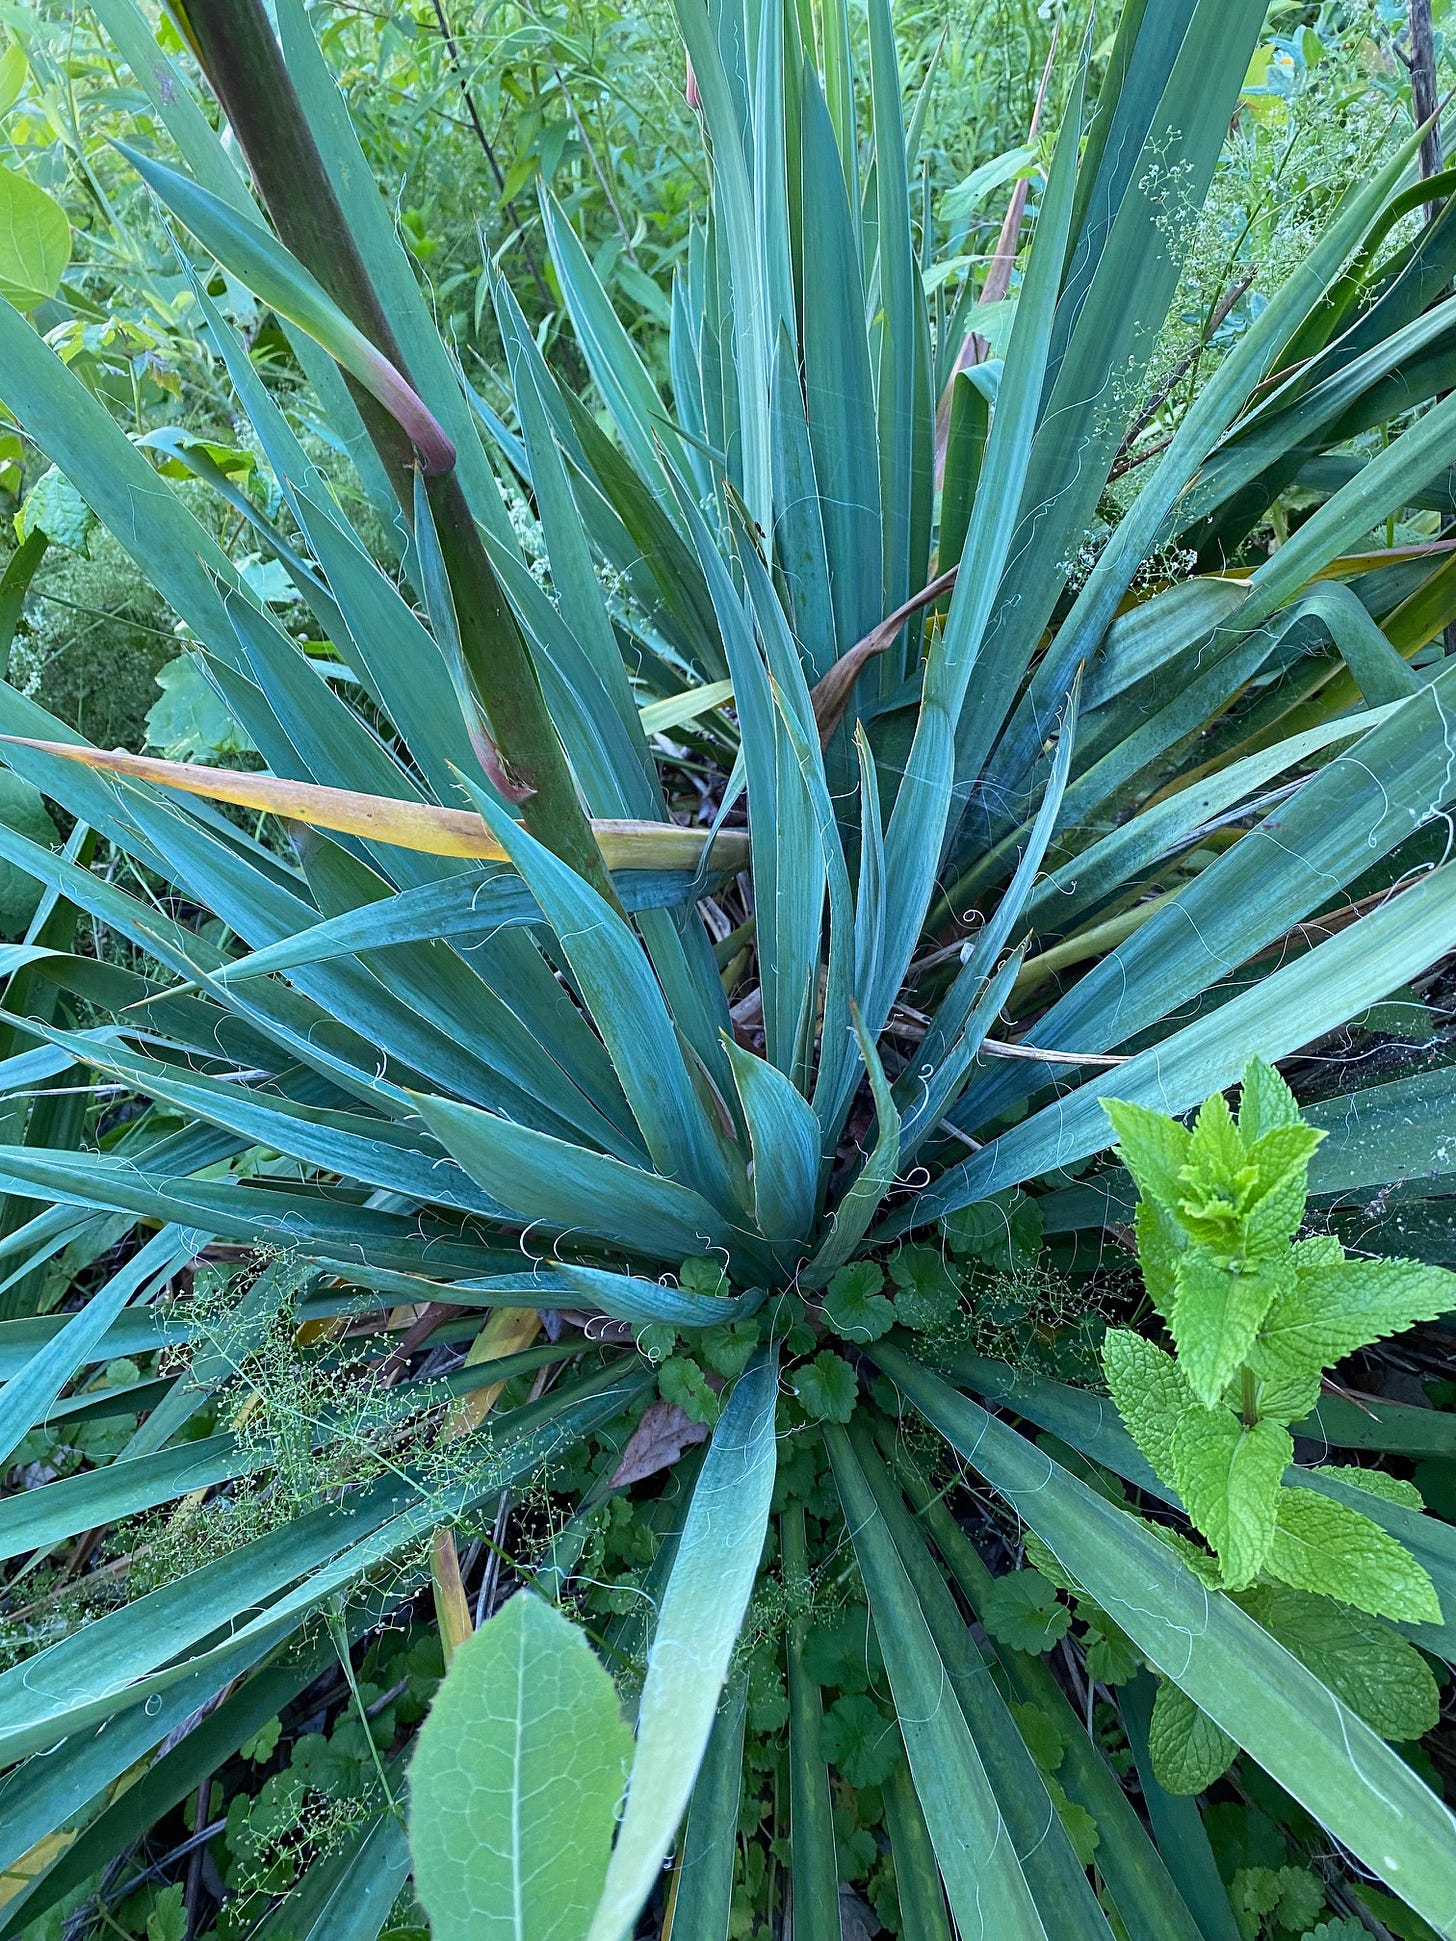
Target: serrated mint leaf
{"points": [[1152, 1146], [1319, 1250], [1321, 1545], [1150, 1393], [854, 1306], [1189, 1751], [1228, 1476], [1041, 1558], [1375, 1482], [1377, 1674], [1218, 1308], [515, 1781], [1265, 1102], [1160, 1244], [1022, 1610], [1333, 1309], [860, 1740], [928, 1292], [825, 1386], [1204, 1567], [1004, 1231]]}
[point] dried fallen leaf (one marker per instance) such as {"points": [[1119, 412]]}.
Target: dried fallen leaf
{"points": [[657, 1442]]}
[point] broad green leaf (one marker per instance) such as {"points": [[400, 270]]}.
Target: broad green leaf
{"points": [[1321, 1545], [1218, 1307], [35, 238], [1151, 1395], [1334, 1309], [515, 1780], [698, 1620]]}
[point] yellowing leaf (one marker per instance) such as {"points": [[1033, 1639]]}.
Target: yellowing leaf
{"points": [[35, 241], [422, 826]]}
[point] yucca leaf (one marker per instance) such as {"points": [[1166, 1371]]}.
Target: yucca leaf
{"points": [[405, 825], [702, 1896], [698, 1620], [1177, 1823], [1291, 1007], [273, 274], [984, 1882], [784, 1137]]}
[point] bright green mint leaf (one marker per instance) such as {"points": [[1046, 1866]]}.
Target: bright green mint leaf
{"points": [[854, 1306], [1204, 1567], [1045, 1560], [1375, 1482], [825, 1386], [1023, 1610], [682, 1381], [1151, 1395], [1321, 1545], [860, 1741], [515, 1782], [1161, 1243], [1004, 1231], [1265, 1102], [928, 1292], [1153, 1147], [1217, 1312], [1377, 1674], [1189, 1751], [1228, 1476], [1334, 1309]]}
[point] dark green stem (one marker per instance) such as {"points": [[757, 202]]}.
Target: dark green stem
{"points": [[1251, 1408], [244, 64]]}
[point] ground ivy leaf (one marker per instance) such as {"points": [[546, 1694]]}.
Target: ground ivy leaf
{"points": [[1189, 1751], [1022, 1610], [682, 1382], [860, 1740], [854, 1306], [1217, 1312], [1004, 1231], [1377, 1674], [515, 1781], [825, 1386], [1151, 1395], [929, 1292], [1040, 1731], [1321, 1545]]}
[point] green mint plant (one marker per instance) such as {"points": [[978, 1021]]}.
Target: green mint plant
{"points": [[1256, 1317]]}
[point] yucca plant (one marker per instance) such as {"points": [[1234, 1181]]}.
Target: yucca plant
{"points": [[497, 1002]]}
